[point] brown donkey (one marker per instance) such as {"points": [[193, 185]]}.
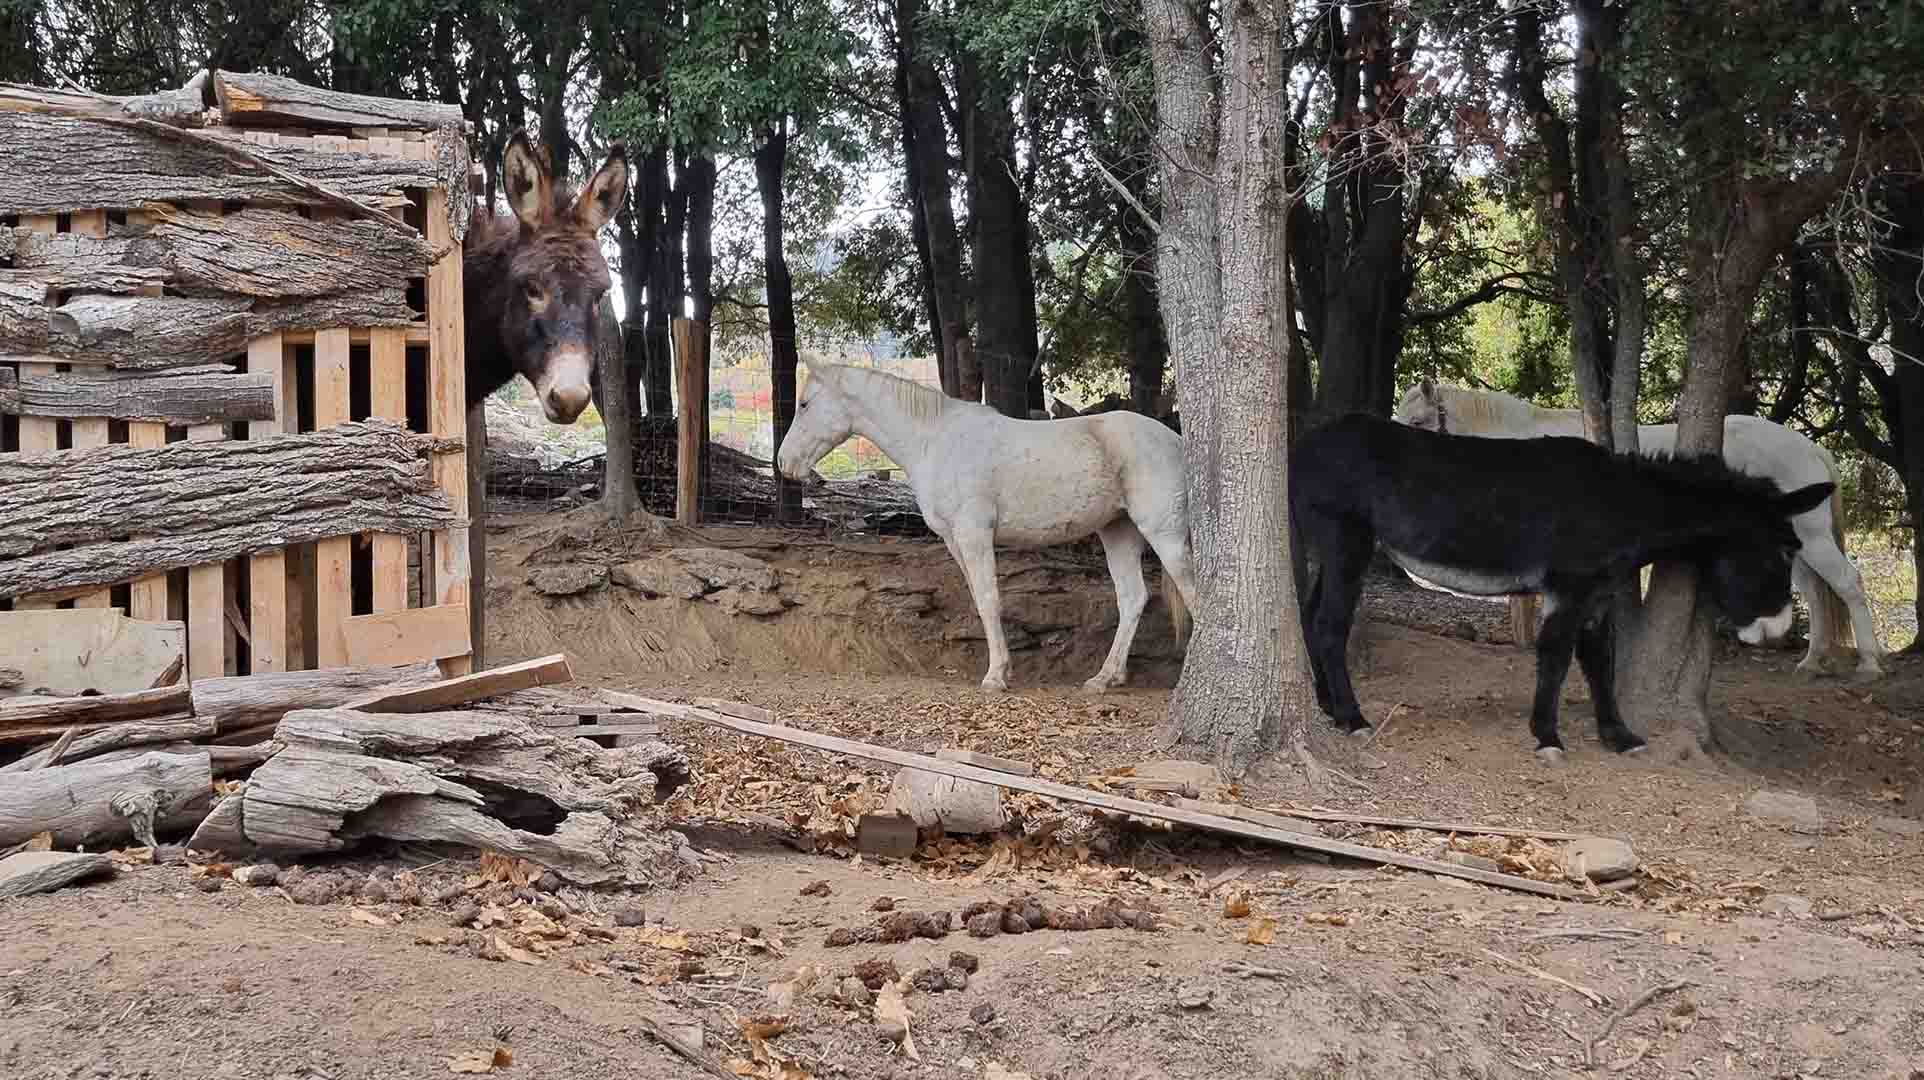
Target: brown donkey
{"points": [[533, 278]]}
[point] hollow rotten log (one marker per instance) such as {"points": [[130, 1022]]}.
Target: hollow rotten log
{"points": [[472, 778], [107, 802], [252, 252], [187, 396], [205, 502]]}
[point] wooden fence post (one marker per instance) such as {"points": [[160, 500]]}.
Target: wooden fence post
{"points": [[1523, 620]]}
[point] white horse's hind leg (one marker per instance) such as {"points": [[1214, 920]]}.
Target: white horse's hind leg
{"points": [[1123, 544], [1832, 565], [1172, 550], [974, 548], [1804, 581]]}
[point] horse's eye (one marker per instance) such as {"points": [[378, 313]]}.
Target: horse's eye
{"points": [[536, 295]]}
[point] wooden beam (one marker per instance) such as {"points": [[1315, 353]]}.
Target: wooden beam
{"points": [[123, 734], [545, 671], [182, 107], [148, 596], [448, 415], [207, 653], [69, 653], [387, 374], [334, 586], [38, 437], [1461, 828], [407, 635], [152, 333], [89, 429], [267, 570], [1118, 805]]}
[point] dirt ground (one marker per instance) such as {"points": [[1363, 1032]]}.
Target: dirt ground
{"points": [[1784, 953]]}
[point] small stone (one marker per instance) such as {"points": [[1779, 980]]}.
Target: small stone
{"points": [[985, 925], [292, 875], [257, 875], [750, 931], [957, 978], [722, 569], [816, 888], [630, 916], [208, 884], [1014, 923], [568, 579], [839, 937], [1194, 995], [930, 980], [1786, 905], [883, 903], [552, 908], [464, 913], [658, 577], [443, 896], [170, 854], [891, 1029], [877, 973], [743, 602], [983, 1013], [548, 882], [315, 889], [966, 961], [1797, 813], [374, 891], [854, 993], [1600, 857]]}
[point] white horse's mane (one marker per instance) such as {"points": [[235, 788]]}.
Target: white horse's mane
{"points": [[918, 401], [1487, 410]]}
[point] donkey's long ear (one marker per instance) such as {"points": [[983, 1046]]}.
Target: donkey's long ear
{"points": [[604, 192], [1428, 388], [525, 177], [1805, 499]]}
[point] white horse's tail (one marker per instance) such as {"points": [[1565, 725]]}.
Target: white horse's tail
{"points": [[1842, 632], [1178, 611]]}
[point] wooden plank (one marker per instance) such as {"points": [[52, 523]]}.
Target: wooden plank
{"points": [[642, 704], [413, 333], [407, 635], [1118, 805], [152, 333], [100, 651], [37, 436], [986, 761], [1460, 828], [92, 430], [148, 595], [207, 596], [545, 671], [95, 709], [333, 585], [387, 359], [448, 413], [267, 571], [689, 410], [736, 708]]}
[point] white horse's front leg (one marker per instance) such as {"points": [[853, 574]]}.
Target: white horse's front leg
{"points": [[1123, 544], [974, 548], [1805, 582]]}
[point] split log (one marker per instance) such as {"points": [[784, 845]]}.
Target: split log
{"points": [[958, 806], [206, 502], [238, 702], [221, 832], [94, 709], [255, 100], [368, 308], [185, 107], [252, 252], [56, 163], [77, 803], [67, 653], [224, 760], [64, 277], [202, 395], [136, 733], [152, 333], [482, 779]]}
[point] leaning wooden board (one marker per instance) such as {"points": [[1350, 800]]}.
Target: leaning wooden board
{"points": [[1113, 803]]}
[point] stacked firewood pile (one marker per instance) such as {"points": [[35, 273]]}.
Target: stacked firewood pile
{"points": [[286, 764]]}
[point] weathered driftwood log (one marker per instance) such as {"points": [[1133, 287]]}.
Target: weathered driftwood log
{"points": [[185, 107], [56, 164], [29, 872], [184, 396], [221, 832], [95, 709], [136, 733], [245, 701], [253, 252], [253, 100], [224, 760], [205, 502], [481, 779], [95, 803]]}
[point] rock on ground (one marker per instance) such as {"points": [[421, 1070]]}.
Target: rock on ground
{"points": [[659, 577], [1798, 813], [721, 569], [568, 579], [28, 872], [1600, 858]]}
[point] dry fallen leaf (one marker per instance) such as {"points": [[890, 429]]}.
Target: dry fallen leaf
{"points": [[662, 939], [998, 1071], [499, 948], [40, 841], [1672, 937], [1236, 905], [1327, 918], [760, 1028], [1261, 932], [363, 915], [498, 867], [481, 1061], [890, 1008]]}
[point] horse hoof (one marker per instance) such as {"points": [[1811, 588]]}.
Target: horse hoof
{"points": [[994, 687], [1630, 751], [1097, 687], [1362, 733], [1864, 676], [1550, 755]]}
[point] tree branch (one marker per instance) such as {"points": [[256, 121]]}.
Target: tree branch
{"points": [[1483, 294]]}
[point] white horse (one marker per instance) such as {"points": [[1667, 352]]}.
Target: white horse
{"points": [[983, 479], [1839, 610]]}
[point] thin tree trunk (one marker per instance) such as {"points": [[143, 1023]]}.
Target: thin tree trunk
{"points": [[619, 497], [653, 191], [1244, 688], [771, 160], [925, 145]]}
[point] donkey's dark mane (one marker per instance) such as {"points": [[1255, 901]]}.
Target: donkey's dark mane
{"points": [[1707, 475]]}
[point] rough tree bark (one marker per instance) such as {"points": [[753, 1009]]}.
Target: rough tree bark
{"points": [[620, 499], [151, 333], [925, 146], [1005, 319], [1900, 268], [1244, 688], [274, 101], [771, 161], [191, 396]]}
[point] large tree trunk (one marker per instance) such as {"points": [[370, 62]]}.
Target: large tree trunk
{"points": [[1900, 262], [770, 162], [925, 145], [1244, 686], [652, 326], [620, 499], [1005, 319]]}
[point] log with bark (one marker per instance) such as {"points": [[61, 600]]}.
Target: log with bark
{"points": [[93, 709], [252, 252], [56, 164], [256, 100], [238, 702], [206, 502], [184, 107], [151, 333], [184, 396], [64, 277], [101, 803], [478, 779], [118, 736]]}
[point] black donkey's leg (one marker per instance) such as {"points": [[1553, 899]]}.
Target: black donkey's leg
{"points": [[1597, 654], [1555, 644], [1346, 548]]}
